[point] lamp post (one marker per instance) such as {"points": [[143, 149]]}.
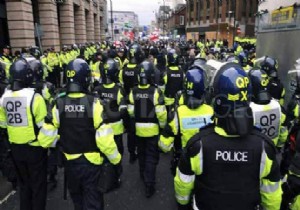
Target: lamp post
{"points": [[164, 17], [112, 21], [234, 26]]}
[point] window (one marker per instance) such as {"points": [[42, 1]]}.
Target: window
{"points": [[244, 11], [181, 20], [192, 6], [227, 8], [251, 9], [207, 4], [201, 9]]}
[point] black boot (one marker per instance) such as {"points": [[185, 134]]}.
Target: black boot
{"points": [[150, 190], [132, 158]]}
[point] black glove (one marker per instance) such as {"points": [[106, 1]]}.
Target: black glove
{"points": [[290, 191]]}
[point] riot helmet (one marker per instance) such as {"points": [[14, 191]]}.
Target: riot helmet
{"points": [[269, 65], [259, 81], [21, 75], [135, 54], [78, 76], [195, 86], [146, 73], [109, 71], [231, 90], [37, 68], [172, 59]]}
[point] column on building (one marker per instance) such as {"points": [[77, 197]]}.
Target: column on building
{"points": [[49, 24], [102, 19], [20, 23], [80, 24], [67, 30], [90, 22], [97, 26]]}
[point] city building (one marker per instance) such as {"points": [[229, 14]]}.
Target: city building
{"points": [[176, 22], [220, 19], [48, 23], [125, 23]]}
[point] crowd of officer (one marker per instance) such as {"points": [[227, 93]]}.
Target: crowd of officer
{"points": [[219, 110]]}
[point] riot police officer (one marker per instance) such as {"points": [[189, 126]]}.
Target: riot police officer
{"points": [[128, 79], [173, 80], [267, 113], [275, 87], [146, 106], [229, 165], [190, 114], [79, 119], [22, 113]]}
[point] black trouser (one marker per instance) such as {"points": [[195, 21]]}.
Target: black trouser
{"points": [[119, 143], [56, 71], [148, 156], [52, 162], [131, 139], [64, 66], [83, 178], [32, 165]]}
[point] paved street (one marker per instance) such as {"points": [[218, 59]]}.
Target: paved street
{"points": [[129, 197]]}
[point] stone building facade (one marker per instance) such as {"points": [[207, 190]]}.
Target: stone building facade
{"points": [[54, 22]]}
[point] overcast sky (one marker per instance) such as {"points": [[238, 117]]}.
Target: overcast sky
{"points": [[145, 9]]}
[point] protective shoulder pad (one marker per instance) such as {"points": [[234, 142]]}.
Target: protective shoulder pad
{"points": [[193, 145]]}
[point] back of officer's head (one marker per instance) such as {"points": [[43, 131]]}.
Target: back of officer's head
{"points": [[259, 82], [231, 91], [109, 71], [269, 65], [195, 86], [21, 74], [78, 76], [146, 73]]}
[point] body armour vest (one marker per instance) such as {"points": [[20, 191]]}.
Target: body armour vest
{"points": [[144, 109], [77, 132], [267, 118], [231, 169], [109, 96], [129, 77], [174, 82]]}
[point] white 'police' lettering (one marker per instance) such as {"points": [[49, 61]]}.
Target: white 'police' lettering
{"points": [[129, 73], [175, 75], [74, 108], [107, 95], [145, 95], [232, 156]]}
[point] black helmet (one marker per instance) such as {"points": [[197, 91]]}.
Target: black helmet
{"points": [[231, 90], [146, 73], [78, 76], [195, 87], [172, 59], [37, 68], [135, 54], [268, 64], [259, 81], [21, 75], [2, 73], [109, 71], [161, 59]]}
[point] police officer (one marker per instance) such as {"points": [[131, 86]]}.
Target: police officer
{"points": [[190, 114], [267, 113], [53, 62], [128, 79], [123, 61], [6, 59], [146, 106], [112, 95], [79, 118], [173, 80], [22, 112], [229, 165], [275, 87]]}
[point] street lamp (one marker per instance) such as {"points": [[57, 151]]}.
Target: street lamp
{"points": [[112, 21], [234, 25]]}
